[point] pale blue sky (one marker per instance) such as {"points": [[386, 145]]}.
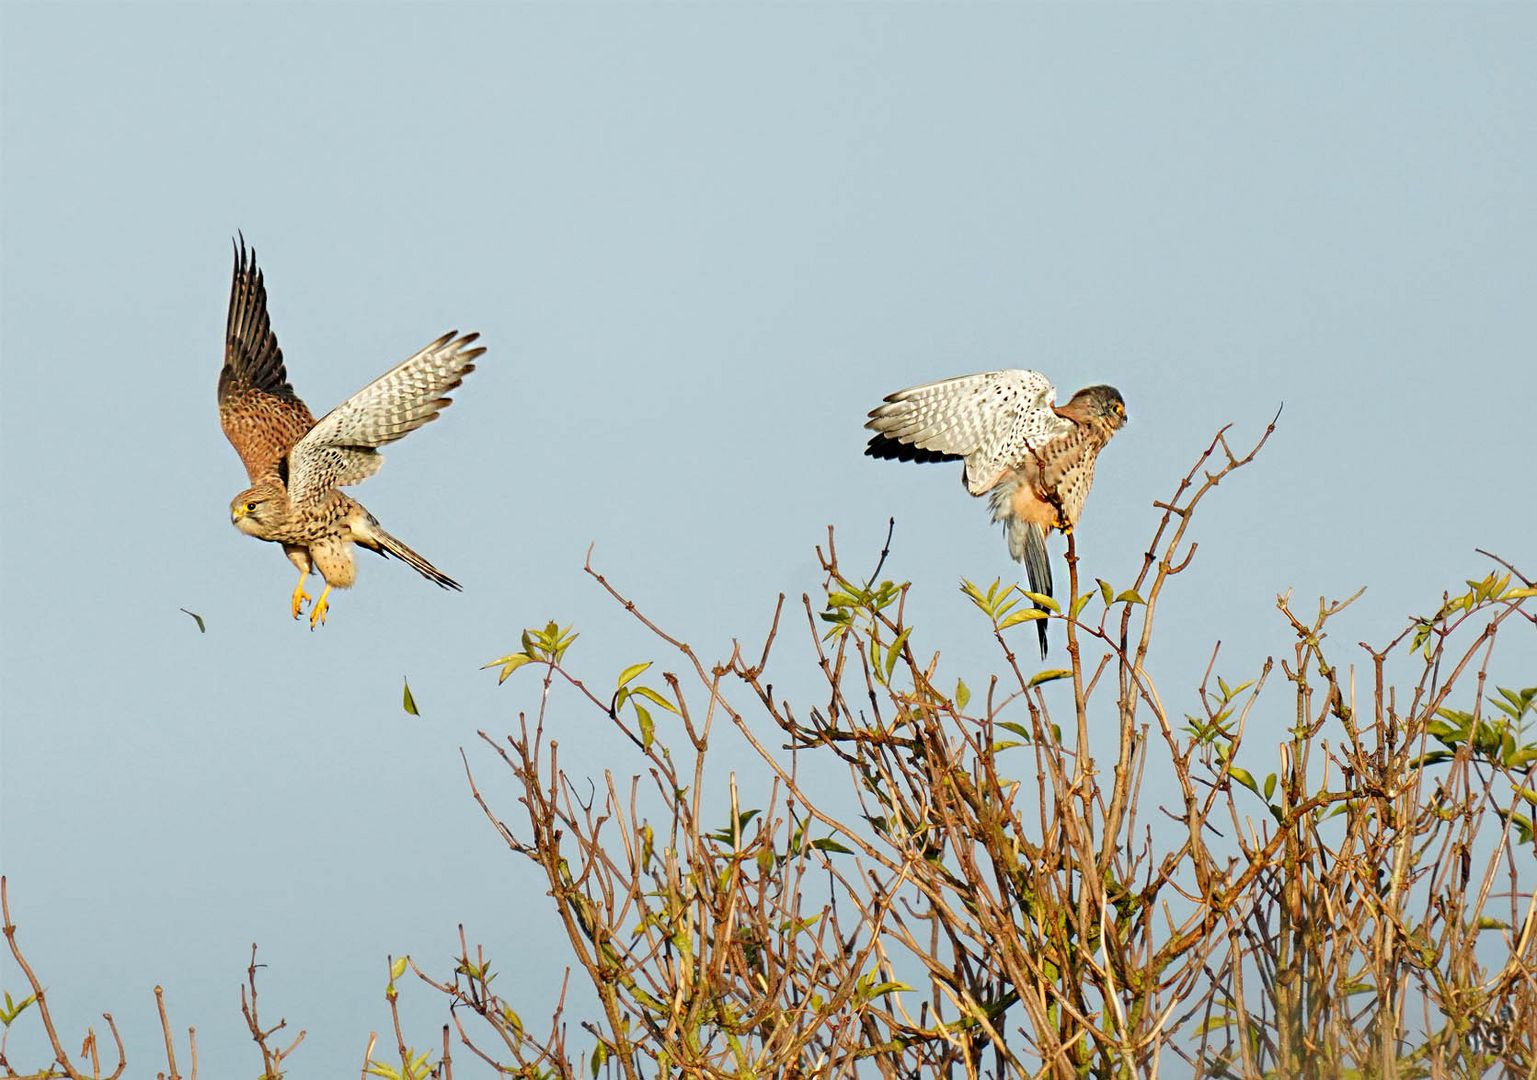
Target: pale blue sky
{"points": [[699, 243]]}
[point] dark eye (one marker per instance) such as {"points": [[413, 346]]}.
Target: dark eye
{"points": [[250, 506]]}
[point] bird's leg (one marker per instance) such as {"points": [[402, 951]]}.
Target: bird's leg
{"points": [[318, 612], [296, 605]]}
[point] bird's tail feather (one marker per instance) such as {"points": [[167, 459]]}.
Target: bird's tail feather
{"points": [[388, 545], [1037, 562], [1027, 543]]}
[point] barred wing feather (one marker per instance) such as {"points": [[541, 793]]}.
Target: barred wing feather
{"points": [[990, 420], [342, 448]]}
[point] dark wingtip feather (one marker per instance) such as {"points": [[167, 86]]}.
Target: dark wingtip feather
{"points": [[252, 358], [889, 449]]}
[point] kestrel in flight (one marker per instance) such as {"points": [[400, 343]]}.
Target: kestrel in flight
{"points": [[297, 465], [1035, 460]]}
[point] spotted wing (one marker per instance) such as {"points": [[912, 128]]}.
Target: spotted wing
{"points": [[261, 415], [990, 421], [342, 448]]}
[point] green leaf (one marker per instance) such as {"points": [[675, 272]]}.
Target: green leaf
{"points": [[13, 1008], [827, 843], [1517, 702], [1489, 587], [1216, 1023], [407, 701], [992, 603], [1081, 602], [1269, 786], [632, 671], [513, 663], [879, 989], [962, 695], [1519, 594], [1130, 596], [647, 726], [1106, 592], [1521, 823], [201, 628], [508, 664], [1050, 675], [894, 651], [1027, 615], [398, 968], [1244, 777], [656, 699], [1230, 692], [1043, 600]]}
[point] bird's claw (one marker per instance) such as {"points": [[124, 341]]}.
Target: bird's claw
{"points": [[300, 598], [318, 612]]}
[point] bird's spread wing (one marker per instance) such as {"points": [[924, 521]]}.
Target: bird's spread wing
{"points": [[342, 447], [260, 413], [991, 421]]}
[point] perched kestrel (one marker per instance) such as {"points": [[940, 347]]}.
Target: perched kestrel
{"points": [[296, 465], [1034, 459]]}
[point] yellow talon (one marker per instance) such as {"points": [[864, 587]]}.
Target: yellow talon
{"points": [[299, 598], [318, 612]]}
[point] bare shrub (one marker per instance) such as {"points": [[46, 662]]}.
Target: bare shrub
{"points": [[984, 898], [999, 904]]}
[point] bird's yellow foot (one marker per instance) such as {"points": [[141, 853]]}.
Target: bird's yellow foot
{"points": [[300, 598], [318, 612]]}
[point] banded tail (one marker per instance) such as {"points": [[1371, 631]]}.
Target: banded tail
{"points": [[385, 544]]}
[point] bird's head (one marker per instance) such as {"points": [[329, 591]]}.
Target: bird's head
{"points": [[256, 509], [1101, 405]]}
